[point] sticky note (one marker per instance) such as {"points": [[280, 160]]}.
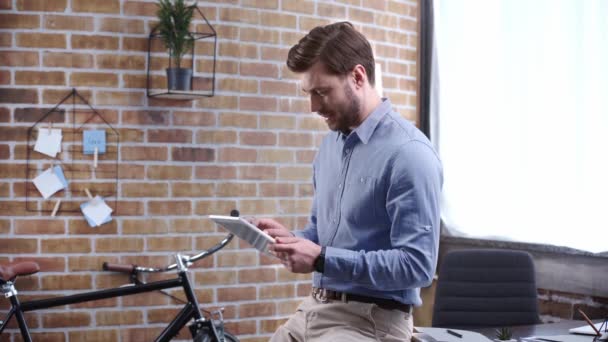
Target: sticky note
{"points": [[59, 173], [96, 211], [48, 141], [48, 182], [92, 139]]}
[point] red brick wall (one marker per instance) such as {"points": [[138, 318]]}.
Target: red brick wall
{"points": [[248, 147]]}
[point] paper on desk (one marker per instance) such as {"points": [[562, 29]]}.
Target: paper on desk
{"points": [[48, 143], [50, 181], [96, 211], [556, 338]]}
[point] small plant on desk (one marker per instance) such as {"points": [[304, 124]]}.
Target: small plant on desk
{"points": [[504, 334]]}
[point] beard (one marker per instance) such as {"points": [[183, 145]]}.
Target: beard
{"points": [[346, 115]]}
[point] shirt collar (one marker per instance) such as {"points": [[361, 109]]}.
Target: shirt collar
{"points": [[368, 126]]}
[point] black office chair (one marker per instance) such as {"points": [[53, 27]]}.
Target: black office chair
{"points": [[486, 287]]}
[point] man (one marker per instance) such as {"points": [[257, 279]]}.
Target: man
{"points": [[373, 234]]}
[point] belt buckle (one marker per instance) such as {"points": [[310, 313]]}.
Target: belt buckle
{"points": [[320, 294]]}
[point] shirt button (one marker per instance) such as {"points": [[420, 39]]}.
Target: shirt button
{"points": [[340, 186]]}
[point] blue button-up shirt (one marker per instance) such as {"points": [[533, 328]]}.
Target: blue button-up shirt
{"points": [[376, 208]]}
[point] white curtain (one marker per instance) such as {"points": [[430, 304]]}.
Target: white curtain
{"points": [[520, 118]]}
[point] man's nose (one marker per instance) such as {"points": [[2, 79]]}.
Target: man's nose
{"points": [[314, 104]]}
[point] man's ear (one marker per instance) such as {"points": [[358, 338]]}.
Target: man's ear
{"points": [[359, 76]]}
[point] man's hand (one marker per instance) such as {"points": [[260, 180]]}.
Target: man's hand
{"points": [[297, 254], [271, 227]]}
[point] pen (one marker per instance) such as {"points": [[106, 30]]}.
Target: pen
{"points": [[451, 332], [597, 333]]}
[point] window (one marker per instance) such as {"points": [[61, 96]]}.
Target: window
{"points": [[520, 118]]}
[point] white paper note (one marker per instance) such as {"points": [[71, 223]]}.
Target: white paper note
{"points": [[96, 210], [48, 143], [48, 183]]}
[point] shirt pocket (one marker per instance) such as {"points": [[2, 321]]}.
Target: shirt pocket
{"points": [[359, 201]]}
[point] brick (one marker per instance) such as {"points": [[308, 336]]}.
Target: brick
{"points": [[267, 4], [257, 309], [5, 153], [219, 102], [40, 78], [17, 95], [171, 243], [43, 6], [236, 190], [233, 294], [191, 225], [306, 6], [238, 85], [114, 317], [234, 154], [145, 117], [95, 79], [66, 59], [241, 50], [192, 154], [89, 263], [122, 25], [297, 206], [4, 192], [63, 246], [93, 335], [170, 135], [227, 67], [305, 157], [277, 190], [258, 172], [296, 139], [295, 173], [66, 282], [295, 106], [193, 118], [360, 15], [17, 246], [94, 42], [257, 275], [216, 277], [33, 114], [144, 153], [308, 23], [121, 62], [408, 24], [215, 172], [278, 122], [238, 120], [69, 23], [148, 226], [5, 114], [169, 172], [274, 54], [19, 21], [258, 206], [278, 88], [6, 40], [145, 190], [173, 208], [120, 98], [96, 6], [242, 327], [214, 207], [138, 8], [41, 227], [258, 35], [258, 138], [11, 171], [107, 245], [230, 14], [129, 208], [65, 319], [192, 189], [6, 4], [41, 40], [331, 10], [259, 69], [257, 103], [135, 44]]}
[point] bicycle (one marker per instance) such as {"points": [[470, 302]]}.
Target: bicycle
{"points": [[202, 329]]}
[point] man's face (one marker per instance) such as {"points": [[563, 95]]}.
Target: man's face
{"points": [[333, 98]]}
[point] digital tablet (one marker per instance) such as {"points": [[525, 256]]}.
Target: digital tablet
{"points": [[245, 230]]}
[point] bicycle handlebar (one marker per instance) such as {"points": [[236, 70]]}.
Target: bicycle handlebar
{"points": [[130, 268]]}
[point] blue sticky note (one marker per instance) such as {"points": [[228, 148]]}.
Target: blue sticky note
{"points": [[59, 173], [90, 221], [92, 139]]}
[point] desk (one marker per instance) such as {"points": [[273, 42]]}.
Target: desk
{"points": [[548, 329]]}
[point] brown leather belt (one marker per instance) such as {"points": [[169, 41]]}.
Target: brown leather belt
{"points": [[325, 295]]}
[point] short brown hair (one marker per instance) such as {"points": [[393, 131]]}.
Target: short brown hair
{"points": [[338, 46]]}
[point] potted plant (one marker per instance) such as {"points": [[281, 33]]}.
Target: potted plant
{"points": [[504, 334], [173, 28]]}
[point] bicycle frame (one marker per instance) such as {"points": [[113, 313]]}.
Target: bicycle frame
{"points": [[183, 317]]}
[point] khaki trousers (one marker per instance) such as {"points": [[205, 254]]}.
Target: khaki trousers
{"points": [[336, 321]]}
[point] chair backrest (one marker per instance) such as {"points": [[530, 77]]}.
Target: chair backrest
{"points": [[486, 287]]}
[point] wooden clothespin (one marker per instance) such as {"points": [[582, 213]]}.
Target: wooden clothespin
{"points": [[92, 199], [95, 158], [50, 127], [56, 208]]}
